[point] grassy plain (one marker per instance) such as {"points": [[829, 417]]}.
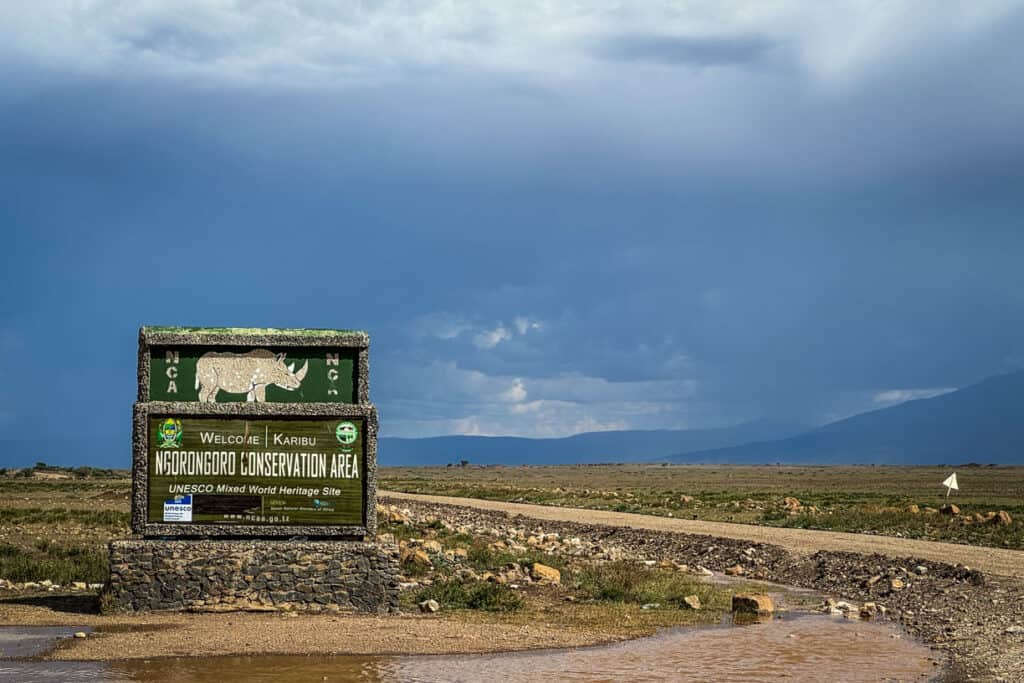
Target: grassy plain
{"points": [[55, 526], [872, 500]]}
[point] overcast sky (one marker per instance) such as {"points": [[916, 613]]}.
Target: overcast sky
{"points": [[551, 217]]}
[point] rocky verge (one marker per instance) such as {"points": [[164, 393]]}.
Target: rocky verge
{"points": [[976, 620]]}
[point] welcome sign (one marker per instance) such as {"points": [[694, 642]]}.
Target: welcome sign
{"points": [[254, 432], [256, 471]]}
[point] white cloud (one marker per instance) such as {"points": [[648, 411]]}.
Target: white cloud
{"points": [[524, 324], [894, 396], [328, 42], [443, 398], [439, 325], [515, 393], [488, 339]]}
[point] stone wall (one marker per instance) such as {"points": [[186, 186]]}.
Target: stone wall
{"points": [[260, 575]]}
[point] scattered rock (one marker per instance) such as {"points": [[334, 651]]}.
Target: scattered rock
{"points": [[920, 570], [735, 570], [430, 606], [792, 504], [868, 610], [914, 509], [650, 605], [950, 509], [1002, 518], [416, 557], [391, 516], [80, 634], [896, 584], [752, 603], [79, 586], [545, 574], [686, 499], [691, 602], [433, 547]]}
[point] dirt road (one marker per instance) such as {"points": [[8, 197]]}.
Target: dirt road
{"points": [[801, 541]]}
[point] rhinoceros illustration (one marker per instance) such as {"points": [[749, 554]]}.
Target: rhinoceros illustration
{"points": [[245, 373]]}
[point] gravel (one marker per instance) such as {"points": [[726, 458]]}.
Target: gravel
{"points": [[975, 618]]}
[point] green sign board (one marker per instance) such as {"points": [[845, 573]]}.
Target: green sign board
{"points": [[223, 374], [259, 471]]}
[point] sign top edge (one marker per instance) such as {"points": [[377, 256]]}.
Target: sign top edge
{"points": [[155, 334]]}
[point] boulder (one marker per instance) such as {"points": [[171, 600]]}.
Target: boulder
{"points": [[415, 556], [896, 584], [545, 574], [791, 504], [735, 570], [430, 606], [433, 547], [80, 634], [1002, 518], [752, 603], [914, 509], [950, 509], [691, 602], [686, 499]]}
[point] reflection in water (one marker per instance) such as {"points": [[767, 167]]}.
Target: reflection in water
{"points": [[806, 648], [28, 641]]}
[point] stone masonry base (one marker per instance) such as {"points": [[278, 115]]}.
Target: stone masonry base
{"points": [[259, 575]]}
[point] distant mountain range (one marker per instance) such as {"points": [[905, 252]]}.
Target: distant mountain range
{"points": [[589, 447], [981, 423]]}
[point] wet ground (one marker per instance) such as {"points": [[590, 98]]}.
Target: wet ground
{"points": [[796, 647]]}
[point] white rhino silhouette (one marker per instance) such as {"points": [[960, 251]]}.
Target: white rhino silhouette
{"points": [[248, 373]]}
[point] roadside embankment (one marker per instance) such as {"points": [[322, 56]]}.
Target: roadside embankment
{"points": [[976, 617]]}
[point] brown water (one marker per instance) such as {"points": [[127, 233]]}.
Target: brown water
{"points": [[800, 648]]}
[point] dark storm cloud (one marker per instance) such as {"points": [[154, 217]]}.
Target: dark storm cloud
{"points": [[694, 50], [693, 252]]}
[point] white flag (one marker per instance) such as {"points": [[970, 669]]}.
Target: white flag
{"points": [[950, 483]]}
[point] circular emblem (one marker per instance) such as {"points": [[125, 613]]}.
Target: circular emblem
{"points": [[346, 433], [170, 433]]}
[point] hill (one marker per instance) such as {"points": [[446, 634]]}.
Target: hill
{"points": [[589, 447], [981, 423]]}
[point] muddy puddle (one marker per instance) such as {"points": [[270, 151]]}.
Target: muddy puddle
{"points": [[797, 648]]}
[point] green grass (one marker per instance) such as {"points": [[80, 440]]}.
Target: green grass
{"points": [[482, 556], [487, 597], [633, 582], [102, 518], [61, 564], [855, 499]]}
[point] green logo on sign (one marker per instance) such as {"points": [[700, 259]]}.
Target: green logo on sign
{"points": [[346, 433], [170, 433]]}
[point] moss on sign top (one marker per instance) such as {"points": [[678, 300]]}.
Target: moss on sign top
{"points": [[253, 331]]}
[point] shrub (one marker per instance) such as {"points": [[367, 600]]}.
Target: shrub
{"points": [[633, 582], [489, 597]]}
